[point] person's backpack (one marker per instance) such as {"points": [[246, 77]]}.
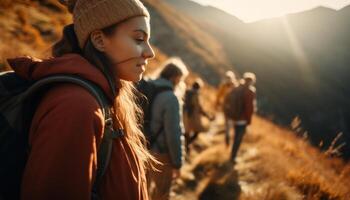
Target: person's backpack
{"points": [[149, 91], [234, 103], [189, 102], [18, 101]]}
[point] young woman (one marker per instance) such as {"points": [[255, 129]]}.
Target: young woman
{"points": [[108, 44]]}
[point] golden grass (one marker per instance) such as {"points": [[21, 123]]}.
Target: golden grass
{"points": [[28, 29], [294, 160], [273, 164]]}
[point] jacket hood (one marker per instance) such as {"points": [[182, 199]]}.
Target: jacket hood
{"points": [[73, 64], [160, 82]]}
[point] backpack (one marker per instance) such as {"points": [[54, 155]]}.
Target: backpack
{"points": [[18, 101], [188, 102], [234, 103], [148, 92]]}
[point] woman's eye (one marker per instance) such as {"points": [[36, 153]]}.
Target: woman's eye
{"points": [[139, 40]]}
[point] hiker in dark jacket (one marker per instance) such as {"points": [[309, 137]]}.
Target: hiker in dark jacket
{"points": [[230, 82], [108, 44], [242, 109], [166, 119], [193, 114]]}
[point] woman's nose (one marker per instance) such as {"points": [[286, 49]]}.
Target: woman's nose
{"points": [[148, 52]]}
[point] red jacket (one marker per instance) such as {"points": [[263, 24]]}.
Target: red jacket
{"points": [[248, 103], [65, 135]]}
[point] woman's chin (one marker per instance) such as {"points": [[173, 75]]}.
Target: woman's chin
{"points": [[140, 77], [133, 79]]}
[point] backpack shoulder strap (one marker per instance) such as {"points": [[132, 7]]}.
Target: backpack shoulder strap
{"points": [[159, 90], [105, 148], [89, 86]]}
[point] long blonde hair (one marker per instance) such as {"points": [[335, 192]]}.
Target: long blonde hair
{"points": [[127, 114], [131, 116]]}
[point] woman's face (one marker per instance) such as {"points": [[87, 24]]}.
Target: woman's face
{"points": [[128, 48]]}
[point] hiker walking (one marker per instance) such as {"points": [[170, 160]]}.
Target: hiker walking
{"points": [[225, 87], [166, 124], [83, 141], [193, 114], [230, 82], [239, 106]]}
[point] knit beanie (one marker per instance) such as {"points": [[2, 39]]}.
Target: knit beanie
{"points": [[91, 15]]}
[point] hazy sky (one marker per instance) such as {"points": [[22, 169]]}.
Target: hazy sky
{"points": [[252, 10]]}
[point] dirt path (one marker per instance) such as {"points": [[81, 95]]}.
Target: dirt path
{"points": [[209, 173], [272, 164]]}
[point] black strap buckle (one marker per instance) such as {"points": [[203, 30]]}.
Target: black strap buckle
{"points": [[110, 130]]}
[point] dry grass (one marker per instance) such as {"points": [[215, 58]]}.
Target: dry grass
{"points": [[302, 166], [29, 28], [273, 164]]}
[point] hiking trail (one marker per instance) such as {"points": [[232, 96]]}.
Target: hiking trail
{"points": [[272, 163]]}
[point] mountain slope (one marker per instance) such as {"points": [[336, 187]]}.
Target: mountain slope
{"points": [[177, 35], [29, 27], [272, 164], [301, 62]]}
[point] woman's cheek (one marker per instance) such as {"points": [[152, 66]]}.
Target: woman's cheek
{"points": [[135, 50], [131, 50], [118, 49]]}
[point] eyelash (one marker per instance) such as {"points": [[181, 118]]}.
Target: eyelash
{"points": [[139, 41]]}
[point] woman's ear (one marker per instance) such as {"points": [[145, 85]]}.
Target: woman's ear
{"points": [[98, 40]]}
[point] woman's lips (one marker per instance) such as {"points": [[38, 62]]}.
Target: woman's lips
{"points": [[142, 67]]}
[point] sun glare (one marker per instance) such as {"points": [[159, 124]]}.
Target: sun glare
{"points": [[250, 10], [253, 10], [303, 63]]}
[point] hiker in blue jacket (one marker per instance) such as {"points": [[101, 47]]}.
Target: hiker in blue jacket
{"points": [[168, 147]]}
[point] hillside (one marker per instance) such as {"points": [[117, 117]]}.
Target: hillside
{"points": [[177, 35], [301, 62], [274, 163], [31, 28]]}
